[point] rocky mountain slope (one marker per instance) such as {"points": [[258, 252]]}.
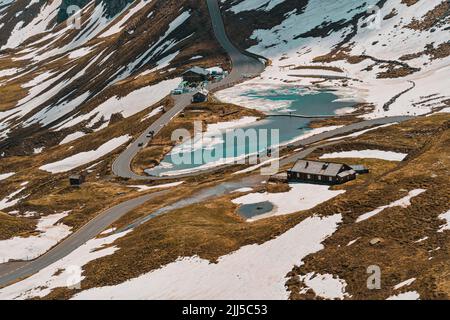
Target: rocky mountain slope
{"points": [[393, 55], [61, 76], [80, 79]]}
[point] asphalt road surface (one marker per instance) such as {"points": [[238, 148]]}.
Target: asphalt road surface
{"points": [[228, 187], [243, 65], [108, 217], [75, 240]]}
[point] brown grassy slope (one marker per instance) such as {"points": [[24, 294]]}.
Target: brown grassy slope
{"points": [[12, 226], [212, 229], [50, 193], [431, 18], [407, 137], [209, 230], [399, 256]]}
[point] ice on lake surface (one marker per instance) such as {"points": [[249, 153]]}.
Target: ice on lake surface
{"points": [[295, 101]]}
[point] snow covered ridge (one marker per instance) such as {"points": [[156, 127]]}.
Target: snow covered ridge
{"points": [[393, 57], [22, 29], [67, 66], [41, 16]]}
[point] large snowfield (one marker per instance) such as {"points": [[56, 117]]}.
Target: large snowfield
{"points": [[252, 272], [63, 273]]}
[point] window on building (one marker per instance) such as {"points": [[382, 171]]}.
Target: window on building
{"points": [[309, 176], [331, 179]]}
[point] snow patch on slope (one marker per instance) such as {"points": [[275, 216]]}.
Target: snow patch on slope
{"points": [[127, 106], [373, 154], [60, 273], [403, 202], [302, 196], [83, 158], [287, 49], [50, 233], [252, 272]]}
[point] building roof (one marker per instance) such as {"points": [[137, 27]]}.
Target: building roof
{"points": [[359, 167], [197, 70], [318, 167], [344, 174], [202, 92]]}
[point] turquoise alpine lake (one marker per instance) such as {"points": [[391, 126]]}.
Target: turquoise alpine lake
{"points": [[277, 131]]}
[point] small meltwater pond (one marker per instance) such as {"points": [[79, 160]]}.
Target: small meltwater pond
{"points": [[252, 210], [283, 100]]}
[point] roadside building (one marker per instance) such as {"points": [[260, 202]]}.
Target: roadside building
{"points": [[195, 75], [360, 169], [200, 96], [321, 172], [77, 180]]}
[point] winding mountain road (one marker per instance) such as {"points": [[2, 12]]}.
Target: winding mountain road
{"points": [[242, 65], [13, 272]]}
